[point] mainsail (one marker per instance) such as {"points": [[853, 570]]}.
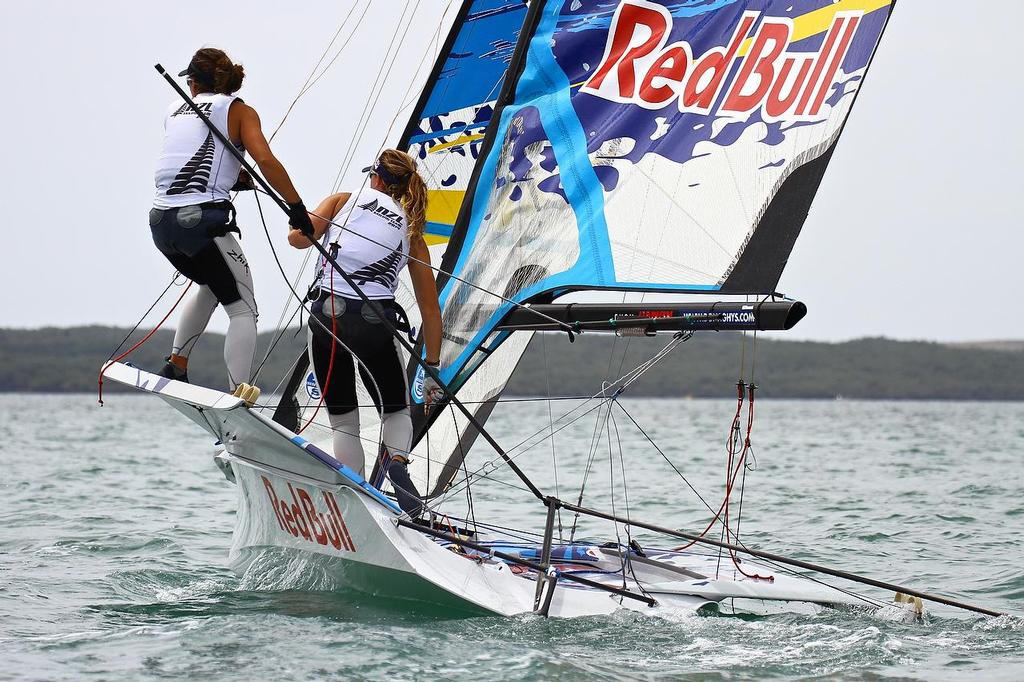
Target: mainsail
{"points": [[646, 146]]}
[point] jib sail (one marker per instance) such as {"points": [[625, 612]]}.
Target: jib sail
{"points": [[672, 146]]}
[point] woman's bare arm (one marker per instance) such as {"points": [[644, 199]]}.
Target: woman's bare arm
{"points": [[325, 211], [426, 297], [256, 145]]}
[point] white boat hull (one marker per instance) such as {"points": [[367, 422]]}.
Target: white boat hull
{"points": [[303, 512]]}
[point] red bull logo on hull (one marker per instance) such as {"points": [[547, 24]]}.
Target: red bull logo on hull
{"points": [[639, 67], [300, 517]]}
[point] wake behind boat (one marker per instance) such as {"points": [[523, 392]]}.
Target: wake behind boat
{"points": [[669, 148]]}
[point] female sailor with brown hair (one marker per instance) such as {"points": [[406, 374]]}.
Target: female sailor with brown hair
{"points": [[192, 217], [372, 236]]}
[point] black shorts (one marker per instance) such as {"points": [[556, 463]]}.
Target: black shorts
{"points": [[373, 344], [186, 235]]}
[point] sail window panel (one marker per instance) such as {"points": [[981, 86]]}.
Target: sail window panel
{"points": [[525, 235], [438, 457], [447, 130]]}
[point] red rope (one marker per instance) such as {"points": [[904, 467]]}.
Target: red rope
{"points": [[729, 448], [742, 461], [144, 339], [734, 464]]}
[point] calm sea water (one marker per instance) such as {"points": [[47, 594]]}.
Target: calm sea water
{"points": [[115, 527]]}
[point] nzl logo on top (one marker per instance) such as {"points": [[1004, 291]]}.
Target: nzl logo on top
{"points": [[640, 67], [390, 217]]}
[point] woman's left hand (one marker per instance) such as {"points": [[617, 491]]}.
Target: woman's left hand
{"points": [[432, 391]]}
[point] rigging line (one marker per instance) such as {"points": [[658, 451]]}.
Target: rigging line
{"points": [[313, 318], [591, 454], [279, 333], [174, 278], [524, 535], [383, 73], [282, 326], [628, 562], [631, 376], [611, 482], [144, 339], [465, 468], [309, 86], [411, 97], [662, 453], [284, 378], [491, 465], [551, 425], [302, 89], [482, 402], [359, 135]]}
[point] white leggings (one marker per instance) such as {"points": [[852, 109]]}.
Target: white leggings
{"points": [[240, 343], [348, 448]]}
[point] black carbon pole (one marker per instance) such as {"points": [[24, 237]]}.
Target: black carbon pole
{"points": [[430, 371], [784, 560]]}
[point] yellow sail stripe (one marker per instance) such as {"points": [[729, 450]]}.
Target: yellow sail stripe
{"points": [[443, 205], [456, 142], [818, 21]]}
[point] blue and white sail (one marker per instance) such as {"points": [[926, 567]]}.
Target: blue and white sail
{"points": [[649, 146]]}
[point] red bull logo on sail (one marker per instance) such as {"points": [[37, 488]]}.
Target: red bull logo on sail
{"points": [[640, 67]]}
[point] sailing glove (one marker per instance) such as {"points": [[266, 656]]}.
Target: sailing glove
{"points": [[432, 392], [243, 183], [298, 218]]}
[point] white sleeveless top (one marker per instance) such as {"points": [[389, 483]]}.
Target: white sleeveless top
{"points": [[194, 167], [373, 263]]}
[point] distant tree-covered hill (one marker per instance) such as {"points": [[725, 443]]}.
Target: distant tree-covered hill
{"points": [[68, 359]]}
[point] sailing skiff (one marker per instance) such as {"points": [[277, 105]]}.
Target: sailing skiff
{"points": [[568, 146], [296, 503]]}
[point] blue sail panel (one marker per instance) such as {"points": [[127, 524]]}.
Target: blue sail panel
{"points": [[447, 128]]}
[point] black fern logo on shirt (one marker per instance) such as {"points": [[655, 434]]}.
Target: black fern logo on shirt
{"points": [[194, 176], [384, 271], [390, 217]]}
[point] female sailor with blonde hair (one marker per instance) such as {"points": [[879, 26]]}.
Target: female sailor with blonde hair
{"points": [[372, 236]]}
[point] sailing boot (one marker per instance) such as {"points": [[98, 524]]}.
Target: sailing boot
{"points": [[172, 371], [405, 489]]}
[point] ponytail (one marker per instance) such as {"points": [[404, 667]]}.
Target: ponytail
{"points": [[213, 69], [409, 190]]}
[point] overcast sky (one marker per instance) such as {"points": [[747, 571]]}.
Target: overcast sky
{"points": [[915, 233]]}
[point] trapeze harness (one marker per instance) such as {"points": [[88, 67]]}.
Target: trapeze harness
{"points": [[371, 246], [192, 222]]}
